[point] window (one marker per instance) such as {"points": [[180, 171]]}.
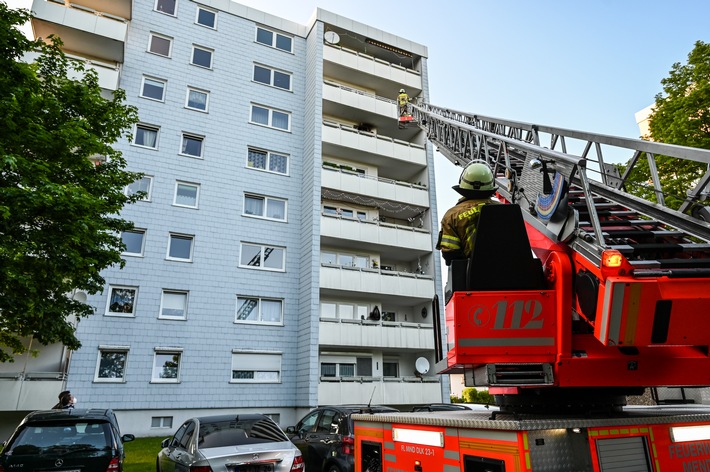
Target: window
{"points": [[262, 257], [111, 364], [144, 185], [146, 136], [390, 368], [161, 422], [180, 247], [265, 207], [270, 117], [191, 145], [201, 57], [328, 258], [168, 7], [206, 17], [332, 369], [197, 99], [268, 161], [259, 310], [133, 240], [273, 39], [153, 89], [186, 194], [328, 310], [166, 365], [273, 77], [173, 305], [161, 45], [256, 367], [121, 301]]}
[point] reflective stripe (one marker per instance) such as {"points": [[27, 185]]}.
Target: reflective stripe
{"points": [[450, 245], [612, 312], [453, 455], [508, 436], [451, 242], [489, 342]]}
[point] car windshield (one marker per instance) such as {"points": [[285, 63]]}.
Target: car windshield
{"points": [[60, 438], [239, 431]]}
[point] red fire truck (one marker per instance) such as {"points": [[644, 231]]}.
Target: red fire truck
{"points": [[578, 294]]}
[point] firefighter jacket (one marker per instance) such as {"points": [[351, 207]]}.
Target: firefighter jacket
{"points": [[458, 227], [403, 99]]}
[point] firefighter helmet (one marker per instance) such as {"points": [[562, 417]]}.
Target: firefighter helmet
{"points": [[476, 180], [401, 91]]}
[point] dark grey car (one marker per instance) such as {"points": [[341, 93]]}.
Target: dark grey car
{"points": [[229, 443], [66, 441], [325, 437]]}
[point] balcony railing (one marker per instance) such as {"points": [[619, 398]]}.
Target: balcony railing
{"points": [[22, 391], [376, 233], [379, 390], [376, 334], [365, 141], [83, 30], [108, 73], [377, 67], [418, 288]]}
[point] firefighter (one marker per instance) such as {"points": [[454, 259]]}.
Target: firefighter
{"points": [[402, 100], [477, 186]]}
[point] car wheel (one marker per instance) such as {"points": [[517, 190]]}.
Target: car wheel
{"points": [[333, 468]]}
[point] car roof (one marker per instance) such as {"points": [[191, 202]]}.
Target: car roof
{"points": [[239, 416], [59, 415]]}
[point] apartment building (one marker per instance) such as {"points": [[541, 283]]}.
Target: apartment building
{"points": [[283, 254]]}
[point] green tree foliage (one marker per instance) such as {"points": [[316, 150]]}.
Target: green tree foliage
{"points": [[472, 395], [681, 116], [58, 211]]}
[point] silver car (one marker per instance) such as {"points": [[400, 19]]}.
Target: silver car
{"points": [[229, 443]]}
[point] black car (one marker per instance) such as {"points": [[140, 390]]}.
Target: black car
{"points": [[325, 436], [66, 440]]}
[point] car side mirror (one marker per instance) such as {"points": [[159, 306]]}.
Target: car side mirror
{"points": [[127, 438], [165, 442], [291, 430]]}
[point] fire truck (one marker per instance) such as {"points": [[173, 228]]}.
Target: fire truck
{"points": [[578, 293]]}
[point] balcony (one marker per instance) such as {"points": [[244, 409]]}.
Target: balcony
{"points": [[357, 67], [30, 390], [391, 156], [382, 391], [85, 31], [388, 286], [395, 240], [375, 187], [375, 334], [109, 74], [359, 106]]}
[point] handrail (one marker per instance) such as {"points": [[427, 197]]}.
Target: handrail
{"points": [[372, 58], [383, 180], [332, 124], [360, 92]]}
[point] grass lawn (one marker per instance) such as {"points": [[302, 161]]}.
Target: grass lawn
{"points": [[141, 454]]}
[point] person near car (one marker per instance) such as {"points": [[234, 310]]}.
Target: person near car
{"points": [[66, 401]]}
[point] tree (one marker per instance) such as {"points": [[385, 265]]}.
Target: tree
{"points": [[681, 116], [59, 223]]}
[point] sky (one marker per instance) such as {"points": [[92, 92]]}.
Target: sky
{"points": [[580, 64]]}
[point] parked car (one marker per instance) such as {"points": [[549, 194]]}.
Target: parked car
{"points": [[247, 443], [325, 436], [66, 440]]}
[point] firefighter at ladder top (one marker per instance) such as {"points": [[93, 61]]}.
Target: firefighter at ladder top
{"points": [[402, 99], [477, 186]]}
